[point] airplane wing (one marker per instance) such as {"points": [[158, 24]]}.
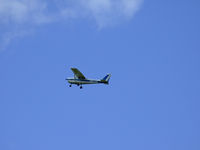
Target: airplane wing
{"points": [[77, 73]]}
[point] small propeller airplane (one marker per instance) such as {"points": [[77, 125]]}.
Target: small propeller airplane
{"points": [[79, 79]]}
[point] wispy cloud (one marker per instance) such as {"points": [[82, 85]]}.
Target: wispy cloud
{"points": [[32, 13], [109, 12], [8, 36], [23, 11]]}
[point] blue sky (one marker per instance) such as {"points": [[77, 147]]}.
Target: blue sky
{"points": [[151, 48]]}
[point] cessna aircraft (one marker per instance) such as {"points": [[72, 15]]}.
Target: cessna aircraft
{"points": [[80, 79]]}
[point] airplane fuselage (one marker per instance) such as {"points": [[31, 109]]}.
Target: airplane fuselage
{"points": [[83, 81]]}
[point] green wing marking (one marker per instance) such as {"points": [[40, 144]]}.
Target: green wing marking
{"points": [[77, 73]]}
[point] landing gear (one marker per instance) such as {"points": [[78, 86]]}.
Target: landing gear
{"points": [[77, 85]]}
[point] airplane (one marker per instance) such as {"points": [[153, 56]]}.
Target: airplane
{"points": [[80, 79]]}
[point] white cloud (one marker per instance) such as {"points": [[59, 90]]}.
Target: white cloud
{"points": [[104, 12], [108, 12], [31, 13], [22, 11], [10, 35], [38, 11]]}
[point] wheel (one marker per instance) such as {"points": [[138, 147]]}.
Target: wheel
{"points": [[81, 87], [70, 85]]}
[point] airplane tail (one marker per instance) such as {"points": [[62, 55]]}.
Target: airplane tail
{"points": [[106, 79]]}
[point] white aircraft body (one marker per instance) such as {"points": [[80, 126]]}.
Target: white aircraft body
{"points": [[79, 79]]}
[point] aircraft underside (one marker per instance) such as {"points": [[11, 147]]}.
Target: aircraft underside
{"points": [[81, 82]]}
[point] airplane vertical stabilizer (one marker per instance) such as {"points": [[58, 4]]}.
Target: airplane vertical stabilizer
{"points": [[106, 79]]}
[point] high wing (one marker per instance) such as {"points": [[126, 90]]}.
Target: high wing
{"points": [[77, 73]]}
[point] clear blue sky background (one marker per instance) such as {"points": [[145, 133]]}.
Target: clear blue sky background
{"points": [[152, 102]]}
